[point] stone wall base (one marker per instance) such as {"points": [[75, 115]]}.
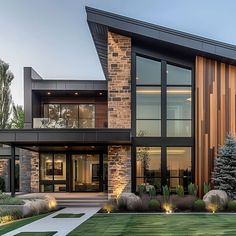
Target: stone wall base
{"points": [[119, 170]]}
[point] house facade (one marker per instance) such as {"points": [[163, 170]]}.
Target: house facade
{"points": [[166, 105]]}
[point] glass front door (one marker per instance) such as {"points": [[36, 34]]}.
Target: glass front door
{"points": [[86, 173]]}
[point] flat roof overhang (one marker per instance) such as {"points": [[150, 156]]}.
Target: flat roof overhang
{"points": [[35, 137]]}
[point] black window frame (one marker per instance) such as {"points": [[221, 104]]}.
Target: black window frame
{"points": [[163, 141], [64, 104]]}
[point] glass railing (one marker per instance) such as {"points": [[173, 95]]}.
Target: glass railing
{"points": [[47, 123]]}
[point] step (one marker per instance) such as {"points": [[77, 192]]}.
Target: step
{"points": [[71, 204]]}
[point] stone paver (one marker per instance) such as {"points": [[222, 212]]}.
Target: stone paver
{"points": [[62, 225]]}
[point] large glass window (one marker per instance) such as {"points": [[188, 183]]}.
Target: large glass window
{"points": [[148, 97], [52, 171], [179, 166], [148, 167], [46, 166], [69, 113], [86, 116], [148, 71], [164, 105], [163, 99], [68, 116], [179, 112]]}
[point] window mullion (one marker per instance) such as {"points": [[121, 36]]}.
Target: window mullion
{"points": [[163, 99]]}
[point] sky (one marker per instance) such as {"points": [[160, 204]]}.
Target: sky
{"points": [[53, 37]]}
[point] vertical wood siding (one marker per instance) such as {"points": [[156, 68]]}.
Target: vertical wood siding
{"points": [[215, 113]]}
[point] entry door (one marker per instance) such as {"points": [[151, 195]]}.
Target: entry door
{"points": [[86, 172]]}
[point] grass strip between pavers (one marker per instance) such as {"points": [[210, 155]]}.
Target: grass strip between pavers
{"points": [[19, 223], [68, 215], [36, 233]]}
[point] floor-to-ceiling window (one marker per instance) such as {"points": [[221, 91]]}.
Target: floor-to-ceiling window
{"points": [[52, 172], [163, 123]]}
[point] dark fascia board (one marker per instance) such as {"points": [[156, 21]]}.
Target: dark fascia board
{"points": [[136, 28], [70, 85], [64, 136]]}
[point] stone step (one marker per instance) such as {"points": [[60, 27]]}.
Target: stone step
{"points": [[82, 201], [71, 204]]}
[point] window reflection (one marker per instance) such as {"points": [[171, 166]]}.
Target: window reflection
{"points": [[148, 71], [46, 166], [70, 114], [67, 116], [148, 166], [179, 166], [178, 75], [86, 116]]}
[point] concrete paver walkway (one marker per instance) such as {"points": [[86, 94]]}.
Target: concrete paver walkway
{"points": [[62, 225]]}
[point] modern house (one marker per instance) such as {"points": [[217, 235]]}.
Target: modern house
{"points": [[166, 105]]}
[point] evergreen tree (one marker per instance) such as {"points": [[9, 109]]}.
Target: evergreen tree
{"points": [[224, 175], [6, 78]]}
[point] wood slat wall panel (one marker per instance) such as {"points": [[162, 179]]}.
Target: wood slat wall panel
{"points": [[215, 113]]}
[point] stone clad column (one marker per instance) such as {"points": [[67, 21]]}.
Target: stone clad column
{"points": [[29, 171], [119, 112]]}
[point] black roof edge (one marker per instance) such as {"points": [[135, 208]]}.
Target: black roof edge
{"points": [[133, 27], [157, 27]]}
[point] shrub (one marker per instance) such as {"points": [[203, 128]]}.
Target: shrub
{"points": [[121, 204], [192, 189], [6, 199], [183, 203], [231, 206], [141, 189], [166, 193], [9, 215], [152, 192], [2, 185], [180, 190], [206, 188], [215, 204], [153, 205], [199, 205]]}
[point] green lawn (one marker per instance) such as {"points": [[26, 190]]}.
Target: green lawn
{"points": [[18, 223], [36, 234], [127, 224], [68, 215]]}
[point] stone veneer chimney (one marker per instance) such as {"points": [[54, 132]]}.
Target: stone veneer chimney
{"points": [[119, 112]]}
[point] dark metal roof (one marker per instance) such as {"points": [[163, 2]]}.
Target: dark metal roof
{"points": [[101, 21], [23, 137]]}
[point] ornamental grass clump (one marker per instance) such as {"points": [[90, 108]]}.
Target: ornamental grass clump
{"points": [[206, 188], [6, 199], [192, 189], [180, 190], [152, 192], [166, 194]]}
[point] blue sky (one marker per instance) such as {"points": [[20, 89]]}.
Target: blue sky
{"points": [[53, 37]]}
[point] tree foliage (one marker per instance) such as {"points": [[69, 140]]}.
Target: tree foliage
{"points": [[17, 121], [224, 175], [6, 78]]}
